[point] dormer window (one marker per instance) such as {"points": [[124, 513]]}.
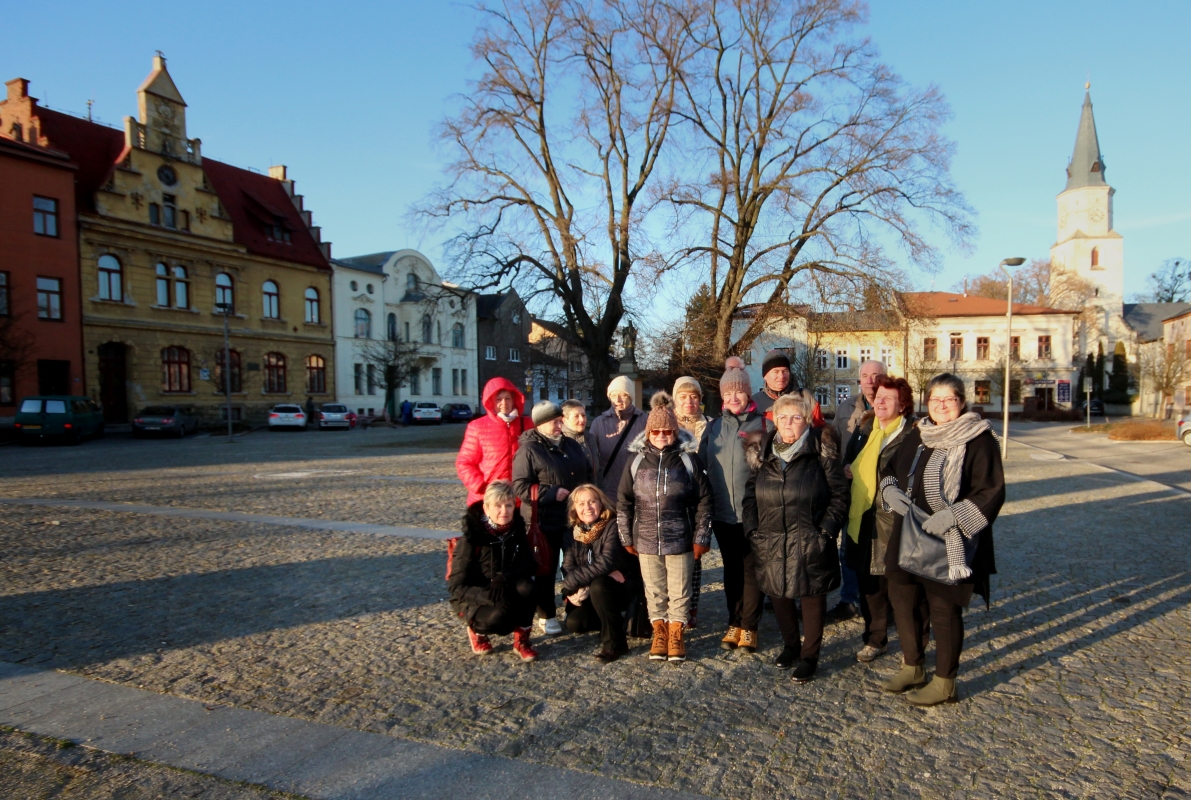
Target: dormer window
{"points": [[278, 232]]}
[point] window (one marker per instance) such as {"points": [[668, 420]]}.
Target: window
{"points": [[1014, 391], [278, 231], [841, 359], [363, 324], [225, 294], [45, 216], [514, 355], [1015, 348], [983, 391], [822, 361], [438, 332], [1186, 391], [561, 393], [233, 373], [163, 285], [8, 382], [490, 352], [359, 378], [175, 369], [411, 283], [842, 393], [111, 283], [981, 348], [457, 335], [415, 382], [370, 373], [169, 211], [154, 214], [312, 311], [436, 380], [455, 382], [392, 327], [316, 375], [369, 288], [183, 220], [822, 394], [1044, 347], [49, 298], [4, 312], [463, 381], [355, 286], [748, 358], [407, 338], [866, 354], [1095, 258], [274, 373], [544, 392], [930, 349], [427, 329], [271, 304], [887, 357], [181, 288], [957, 347]]}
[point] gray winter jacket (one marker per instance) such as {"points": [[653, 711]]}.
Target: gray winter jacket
{"points": [[664, 510], [848, 417], [722, 449]]}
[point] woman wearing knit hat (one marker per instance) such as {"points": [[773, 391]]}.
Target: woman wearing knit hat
{"points": [[664, 517], [688, 401], [612, 431], [555, 464]]}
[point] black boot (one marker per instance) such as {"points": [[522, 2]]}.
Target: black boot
{"points": [[787, 658], [805, 671]]}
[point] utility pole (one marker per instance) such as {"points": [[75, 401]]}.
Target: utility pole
{"points": [[227, 369], [1012, 262]]}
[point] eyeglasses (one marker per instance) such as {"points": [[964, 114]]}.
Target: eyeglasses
{"points": [[943, 401], [790, 418], [661, 433]]}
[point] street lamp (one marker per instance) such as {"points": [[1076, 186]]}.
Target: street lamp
{"points": [[1008, 262], [226, 310]]}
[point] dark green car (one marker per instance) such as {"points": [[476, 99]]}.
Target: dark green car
{"points": [[59, 417]]}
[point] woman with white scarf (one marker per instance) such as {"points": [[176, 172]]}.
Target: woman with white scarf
{"points": [[958, 480]]}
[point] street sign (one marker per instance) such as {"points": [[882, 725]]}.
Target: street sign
{"points": [[1087, 384]]}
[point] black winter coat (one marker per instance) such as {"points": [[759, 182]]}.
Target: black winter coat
{"points": [[479, 556], [551, 465], [867, 556], [583, 563], [664, 510], [792, 514]]}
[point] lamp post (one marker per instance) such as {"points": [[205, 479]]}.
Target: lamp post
{"points": [[226, 309], [1008, 262]]}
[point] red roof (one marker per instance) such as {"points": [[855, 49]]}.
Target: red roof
{"points": [[97, 149], [949, 304]]}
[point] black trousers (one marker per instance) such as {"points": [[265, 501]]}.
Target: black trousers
{"points": [[946, 617], [513, 611], [544, 585], [603, 610], [740, 576], [814, 611], [877, 610]]}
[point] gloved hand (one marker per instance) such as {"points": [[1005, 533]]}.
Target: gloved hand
{"points": [[496, 589], [525, 587], [897, 500], [940, 522]]}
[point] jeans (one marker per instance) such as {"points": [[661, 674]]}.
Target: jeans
{"points": [[603, 610], [814, 610], [668, 586], [740, 576]]}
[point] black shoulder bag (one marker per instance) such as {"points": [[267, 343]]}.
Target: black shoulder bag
{"points": [[628, 426], [921, 553]]}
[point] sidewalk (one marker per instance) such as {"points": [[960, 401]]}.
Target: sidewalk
{"points": [[317, 761]]}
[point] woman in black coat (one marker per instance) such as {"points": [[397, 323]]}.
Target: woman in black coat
{"points": [[599, 575], [556, 464], [491, 573], [795, 504], [959, 482]]}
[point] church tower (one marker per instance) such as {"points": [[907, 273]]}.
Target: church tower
{"points": [[1087, 245]]}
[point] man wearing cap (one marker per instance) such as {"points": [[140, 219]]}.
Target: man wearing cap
{"points": [[555, 464], [721, 449], [613, 431], [775, 371]]}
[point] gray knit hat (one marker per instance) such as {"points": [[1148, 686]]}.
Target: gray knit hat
{"points": [[544, 411], [687, 384], [735, 380]]}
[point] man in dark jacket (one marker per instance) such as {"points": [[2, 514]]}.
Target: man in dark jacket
{"points": [[574, 426], [612, 431], [775, 374], [556, 465]]}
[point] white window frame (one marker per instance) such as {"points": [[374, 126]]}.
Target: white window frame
{"points": [[841, 359], [490, 352], [515, 355]]}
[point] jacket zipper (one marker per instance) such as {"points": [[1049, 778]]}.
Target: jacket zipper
{"points": [[657, 498]]}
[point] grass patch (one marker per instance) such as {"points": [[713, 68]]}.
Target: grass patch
{"points": [[1146, 430]]}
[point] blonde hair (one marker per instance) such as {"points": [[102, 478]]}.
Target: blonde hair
{"points": [[499, 492], [797, 400], [588, 488]]}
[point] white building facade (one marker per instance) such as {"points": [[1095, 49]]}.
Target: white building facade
{"points": [[399, 296]]}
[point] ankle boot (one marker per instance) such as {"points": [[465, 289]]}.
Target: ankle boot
{"points": [[659, 648], [939, 690], [676, 648], [479, 643], [521, 645], [907, 678]]}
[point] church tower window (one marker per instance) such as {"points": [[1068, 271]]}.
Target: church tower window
{"points": [[1096, 258]]}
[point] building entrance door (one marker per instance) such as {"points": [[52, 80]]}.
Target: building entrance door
{"points": [[1046, 398], [113, 380], [53, 377]]}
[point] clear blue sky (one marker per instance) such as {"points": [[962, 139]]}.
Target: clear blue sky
{"points": [[347, 94]]}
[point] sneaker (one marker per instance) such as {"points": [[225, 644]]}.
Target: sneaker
{"points": [[844, 611], [550, 627], [731, 638], [521, 645], [805, 671], [787, 658], [479, 643], [870, 653], [675, 647], [659, 648], [748, 641]]}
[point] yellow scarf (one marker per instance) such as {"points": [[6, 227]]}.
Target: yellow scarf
{"points": [[864, 473]]}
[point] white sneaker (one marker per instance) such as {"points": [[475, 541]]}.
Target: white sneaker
{"points": [[869, 653], [550, 627]]}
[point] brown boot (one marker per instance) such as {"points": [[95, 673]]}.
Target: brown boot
{"points": [[676, 649], [659, 648], [731, 638], [748, 641]]}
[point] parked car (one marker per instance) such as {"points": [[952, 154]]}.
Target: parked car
{"points": [[166, 420], [1097, 407], [427, 412], [58, 416], [456, 412], [1183, 428], [334, 415], [286, 416]]}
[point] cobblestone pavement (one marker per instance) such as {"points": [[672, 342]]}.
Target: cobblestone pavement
{"points": [[1075, 683]]}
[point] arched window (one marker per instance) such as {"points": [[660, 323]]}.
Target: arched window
{"points": [[363, 324], [392, 329], [411, 283], [1095, 257], [274, 373], [312, 312], [163, 285], [233, 373], [111, 278], [316, 375], [427, 330], [457, 335], [438, 332], [271, 305], [181, 288], [175, 369], [225, 294]]}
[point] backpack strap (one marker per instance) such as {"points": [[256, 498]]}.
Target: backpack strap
{"points": [[636, 464]]}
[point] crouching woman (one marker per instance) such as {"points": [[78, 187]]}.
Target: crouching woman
{"points": [[491, 580], [600, 574]]}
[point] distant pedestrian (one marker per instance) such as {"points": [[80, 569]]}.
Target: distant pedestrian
{"points": [[574, 426], [407, 413], [688, 404], [955, 462], [613, 431], [795, 504], [776, 379], [310, 410], [491, 580], [490, 441]]}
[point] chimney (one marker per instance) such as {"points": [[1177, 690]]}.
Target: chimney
{"points": [[965, 287], [277, 172], [17, 88]]}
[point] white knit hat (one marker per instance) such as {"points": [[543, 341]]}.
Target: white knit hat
{"points": [[687, 384], [621, 385]]}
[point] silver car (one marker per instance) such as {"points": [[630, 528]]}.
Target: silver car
{"points": [[286, 416], [1183, 428], [334, 415]]}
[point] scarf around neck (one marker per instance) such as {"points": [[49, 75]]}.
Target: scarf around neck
{"points": [[787, 450], [498, 531], [864, 473], [952, 438], [586, 534]]}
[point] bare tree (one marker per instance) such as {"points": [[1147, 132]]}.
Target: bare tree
{"points": [[817, 157], [554, 150], [1165, 368], [391, 362], [1036, 283], [1171, 283], [995, 375]]}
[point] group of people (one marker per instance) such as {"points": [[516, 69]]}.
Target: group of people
{"points": [[632, 502]]}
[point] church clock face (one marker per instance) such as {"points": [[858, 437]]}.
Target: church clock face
{"points": [[166, 174], [165, 111], [1097, 215]]}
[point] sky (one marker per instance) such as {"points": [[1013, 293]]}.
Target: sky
{"points": [[347, 95]]}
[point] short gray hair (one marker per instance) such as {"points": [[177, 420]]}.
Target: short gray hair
{"points": [[499, 492], [571, 405], [796, 400]]}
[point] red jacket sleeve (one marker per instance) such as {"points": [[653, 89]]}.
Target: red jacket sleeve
{"points": [[467, 463]]}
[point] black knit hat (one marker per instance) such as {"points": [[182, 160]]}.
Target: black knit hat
{"points": [[774, 358], [544, 411]]}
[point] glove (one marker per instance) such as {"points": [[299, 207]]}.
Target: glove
{"points": [[524, 587], [897, 500], [940, 522]]}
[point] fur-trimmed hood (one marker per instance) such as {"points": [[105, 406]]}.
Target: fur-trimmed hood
{"points": [[686, 442], [824, 441]]}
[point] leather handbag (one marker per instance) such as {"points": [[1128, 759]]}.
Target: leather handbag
{"points": [[921, 553], [537, 540]]}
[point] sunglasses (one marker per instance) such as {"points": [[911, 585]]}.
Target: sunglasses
{"points": [[661, 433]]}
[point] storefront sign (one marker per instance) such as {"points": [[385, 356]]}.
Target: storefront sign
{"points": [[1064, 392]]}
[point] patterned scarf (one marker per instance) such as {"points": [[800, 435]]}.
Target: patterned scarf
{"points": [[864, 473], [496, 530], [586, 534], [951, 438]]}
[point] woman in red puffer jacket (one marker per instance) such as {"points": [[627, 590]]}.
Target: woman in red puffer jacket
{"points": [[491, 440]]}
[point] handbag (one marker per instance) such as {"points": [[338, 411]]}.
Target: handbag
{"points": [[537, 540], [921, 553]]}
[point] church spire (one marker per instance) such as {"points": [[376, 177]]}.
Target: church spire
{"points": [[1087, 165]]}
